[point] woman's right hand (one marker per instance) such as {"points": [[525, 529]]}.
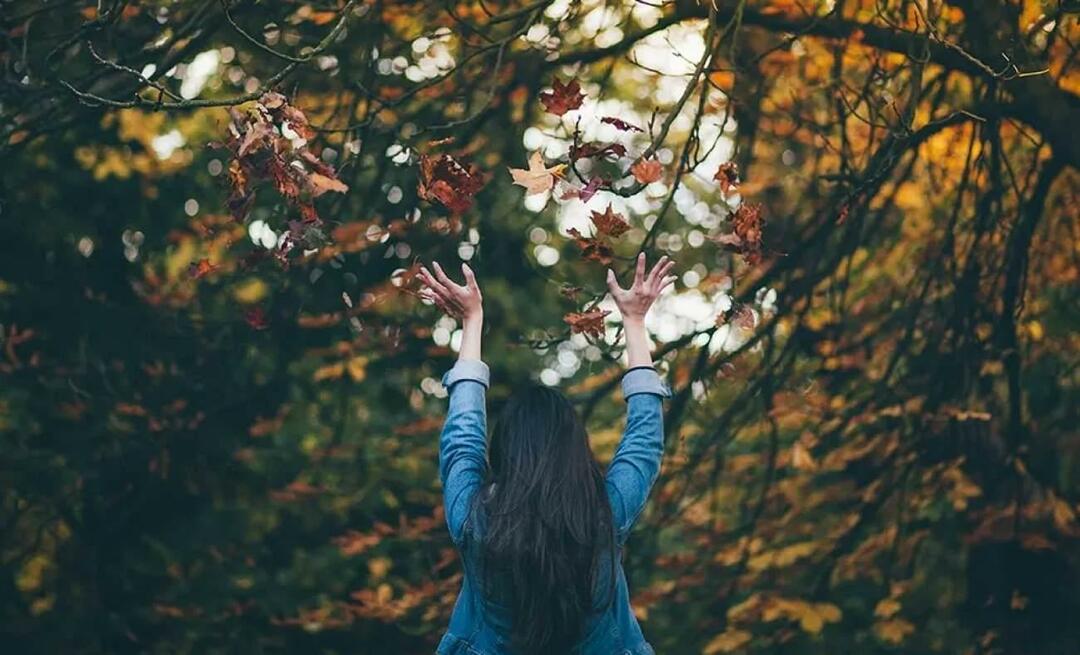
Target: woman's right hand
{"points": [[635, 302]]}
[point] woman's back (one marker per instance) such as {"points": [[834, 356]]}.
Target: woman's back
{"points": [[542, 544]]}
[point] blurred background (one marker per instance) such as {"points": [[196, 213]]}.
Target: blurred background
{"points": [[220, 398]]}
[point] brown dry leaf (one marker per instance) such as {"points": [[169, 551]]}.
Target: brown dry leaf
{"points": [[588, 323], [728, 177], [592, 247], [320, 184], [609, 222]]}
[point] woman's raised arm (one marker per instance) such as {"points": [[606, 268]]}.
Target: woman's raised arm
{"points": [[463, 442], [636, 463]]}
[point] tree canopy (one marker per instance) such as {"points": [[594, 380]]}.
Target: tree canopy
{"points": [[219, 390]]}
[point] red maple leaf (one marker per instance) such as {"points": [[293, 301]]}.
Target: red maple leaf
{"points": [[609, 222], [620, 124], [589, 323], [562, 97], [448, 181]]}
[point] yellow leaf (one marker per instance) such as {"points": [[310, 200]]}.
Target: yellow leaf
{"points": [[886, 607], [357, 368], [320, 184], [250, 291]]}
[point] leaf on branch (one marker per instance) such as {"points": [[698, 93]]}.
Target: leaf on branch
{"points": [[537, 178], [647, 171], [747, 223], [593, 248], [620, 124], [609, 222], [588, 323], [562, 97], [728, 177], [448, 181]]}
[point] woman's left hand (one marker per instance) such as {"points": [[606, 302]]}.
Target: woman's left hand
{"points": [[463, 302]]}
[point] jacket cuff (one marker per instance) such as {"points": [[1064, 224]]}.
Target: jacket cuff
{"points": [[644, 379], [467, 369]]}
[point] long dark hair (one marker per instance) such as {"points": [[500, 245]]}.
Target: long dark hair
{"points": [[548, 522]]}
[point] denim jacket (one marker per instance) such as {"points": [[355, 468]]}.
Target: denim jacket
{"points": [[475, 627]]}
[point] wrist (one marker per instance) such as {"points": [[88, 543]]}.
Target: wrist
{"points": [[475, 316], [633, 320]]}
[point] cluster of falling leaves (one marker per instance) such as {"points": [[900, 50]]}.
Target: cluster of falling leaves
{"points": [[268, 145]]}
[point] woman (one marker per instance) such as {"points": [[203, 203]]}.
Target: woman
{"points": [[540, 527]]}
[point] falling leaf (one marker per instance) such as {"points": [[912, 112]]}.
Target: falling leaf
{"points": [[592, 248], [728, 177], [537, 178], [588, 323], [201, 268], [647, 171], [620, 124], [562, 97], [320, 184], [445, 179], [609, 222]]}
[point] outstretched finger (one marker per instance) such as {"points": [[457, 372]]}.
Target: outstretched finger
{"points": [[429, 279], [639, 270], [470, 278], [443, 277], [656, 271], [613, 283], [667, 282], [663, 271]]}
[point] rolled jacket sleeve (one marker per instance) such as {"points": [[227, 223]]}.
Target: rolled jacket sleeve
{"points": [[644, 379], [467, 369]]}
